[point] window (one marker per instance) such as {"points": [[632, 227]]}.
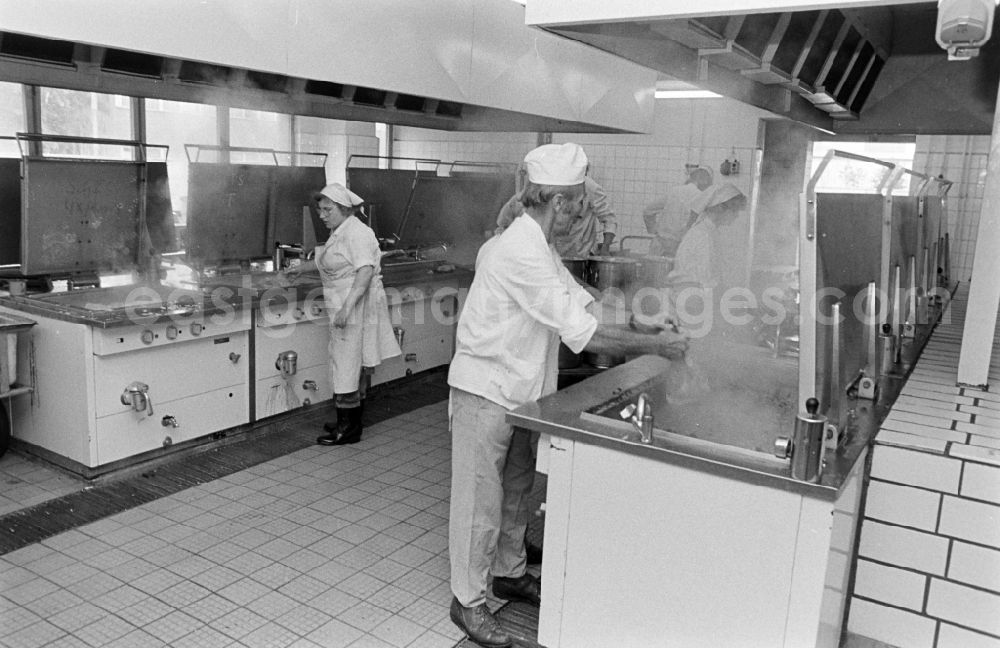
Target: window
{"points": [[846, 175], [11, 118], [174, 124], [258, 129], [89, 115]]}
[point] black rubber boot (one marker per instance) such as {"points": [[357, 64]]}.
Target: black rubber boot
{"points": [[333, 429], [348, 429]]}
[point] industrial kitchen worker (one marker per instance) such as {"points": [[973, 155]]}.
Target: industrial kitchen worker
{"points": [[669, 217], [361, 335], [696, 262], [522, 301], [590, 234]]}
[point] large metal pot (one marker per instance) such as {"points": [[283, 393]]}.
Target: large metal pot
{"points": [[579, 268], [653, 271], [612, 272]]}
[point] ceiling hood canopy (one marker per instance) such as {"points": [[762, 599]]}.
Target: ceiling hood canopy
{"points": [[852, 69], [468, 65]]}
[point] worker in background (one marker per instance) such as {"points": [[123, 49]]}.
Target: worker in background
{"points": [[361, 335], [695, 263], [521, 303], [591, 234], [669, 217]]}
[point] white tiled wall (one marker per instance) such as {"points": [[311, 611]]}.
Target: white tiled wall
{"points": [[961, 159], [633, 169], [928, 567], [636, 169]]}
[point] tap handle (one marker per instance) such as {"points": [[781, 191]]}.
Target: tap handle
{"points": [[812, 406]]}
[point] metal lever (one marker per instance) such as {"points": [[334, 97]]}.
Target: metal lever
{"points": [[169, 421], [234, 357], [309, 385], [640, 414], [136, 396]]}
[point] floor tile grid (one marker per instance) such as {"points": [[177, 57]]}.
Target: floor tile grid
{"points": [[325, 547]]}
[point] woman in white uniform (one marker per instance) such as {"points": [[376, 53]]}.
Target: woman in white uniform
{"points": [[361, 334]]}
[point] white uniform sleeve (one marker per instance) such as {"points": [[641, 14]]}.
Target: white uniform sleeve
{"points": [[547, 292], [602, 208]]}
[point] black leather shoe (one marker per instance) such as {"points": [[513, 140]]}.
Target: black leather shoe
{"points": [[479, 624], [526, 588], [339, 437], [534, 553]]}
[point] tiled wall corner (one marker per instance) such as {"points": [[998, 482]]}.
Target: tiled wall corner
{"points": [[930, 538], [891, 625]]}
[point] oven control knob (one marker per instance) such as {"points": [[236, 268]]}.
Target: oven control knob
{"points": [[146, 336], [171, 332], [197, 328]]}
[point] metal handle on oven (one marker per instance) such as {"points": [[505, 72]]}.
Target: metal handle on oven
{"points": [[136, 396]]}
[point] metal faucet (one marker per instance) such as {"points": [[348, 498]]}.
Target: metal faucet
{"points": [[281, 250], [640, 415]]}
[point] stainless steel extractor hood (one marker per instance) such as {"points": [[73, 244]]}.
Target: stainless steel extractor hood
{"points": [[851, 69]]}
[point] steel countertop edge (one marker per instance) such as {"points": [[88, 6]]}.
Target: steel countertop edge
{"points": [[560, 415], [233, 298]]}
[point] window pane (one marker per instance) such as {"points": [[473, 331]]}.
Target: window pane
{"points": [[176, 123], [844, 175], [258, 129], [11, 117], [90, 115]]}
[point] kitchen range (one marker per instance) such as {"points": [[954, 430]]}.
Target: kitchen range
{"points": [[132, 372], [743, 467]]}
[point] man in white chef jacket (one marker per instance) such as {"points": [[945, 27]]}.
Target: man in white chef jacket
{"points": [[521, 303], [668, 218], [591, 233]]}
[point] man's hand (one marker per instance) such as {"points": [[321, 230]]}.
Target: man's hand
{"points": [[672, 345]]}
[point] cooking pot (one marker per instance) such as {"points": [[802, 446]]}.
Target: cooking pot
{"points": [[653, 270], [579, 268], [612, 272]]}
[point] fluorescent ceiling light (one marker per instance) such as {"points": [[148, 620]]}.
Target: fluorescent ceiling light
{"points": [[686, 94]]}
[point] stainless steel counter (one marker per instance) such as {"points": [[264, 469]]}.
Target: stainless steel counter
{"points": [[573, 413], [221, 295]]}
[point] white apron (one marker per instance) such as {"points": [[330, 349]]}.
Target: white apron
{"points": [[368, 338]]}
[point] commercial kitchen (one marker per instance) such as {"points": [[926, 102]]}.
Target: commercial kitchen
{"points": [[823, 469]]}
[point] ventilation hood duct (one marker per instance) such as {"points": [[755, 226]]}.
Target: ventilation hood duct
{"points": [[450, 64], [844, 66]]}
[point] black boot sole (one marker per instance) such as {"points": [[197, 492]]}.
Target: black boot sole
{"points": [[337, 439]]}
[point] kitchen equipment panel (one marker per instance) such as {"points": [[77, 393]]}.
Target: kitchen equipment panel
{"points": [[156, 334], [173, 371], [309, 340], [128, 433], [307, 386]]}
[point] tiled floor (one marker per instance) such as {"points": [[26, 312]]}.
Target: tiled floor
{"points": [[24, 483], [321, 547]]}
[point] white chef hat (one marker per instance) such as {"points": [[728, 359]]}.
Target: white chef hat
{"points": [[556, 164], [339, 194], [716, 195]]}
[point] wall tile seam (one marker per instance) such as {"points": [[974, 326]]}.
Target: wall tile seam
{"points": [[925, 615], [912, 570], [931, 580], [896, 607], [952, 622], [927, 489], [974, 460], [912, 528]]}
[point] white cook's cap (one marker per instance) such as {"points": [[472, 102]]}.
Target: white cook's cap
{"points": [[339, 194], [556, 164], [714, 196]]}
